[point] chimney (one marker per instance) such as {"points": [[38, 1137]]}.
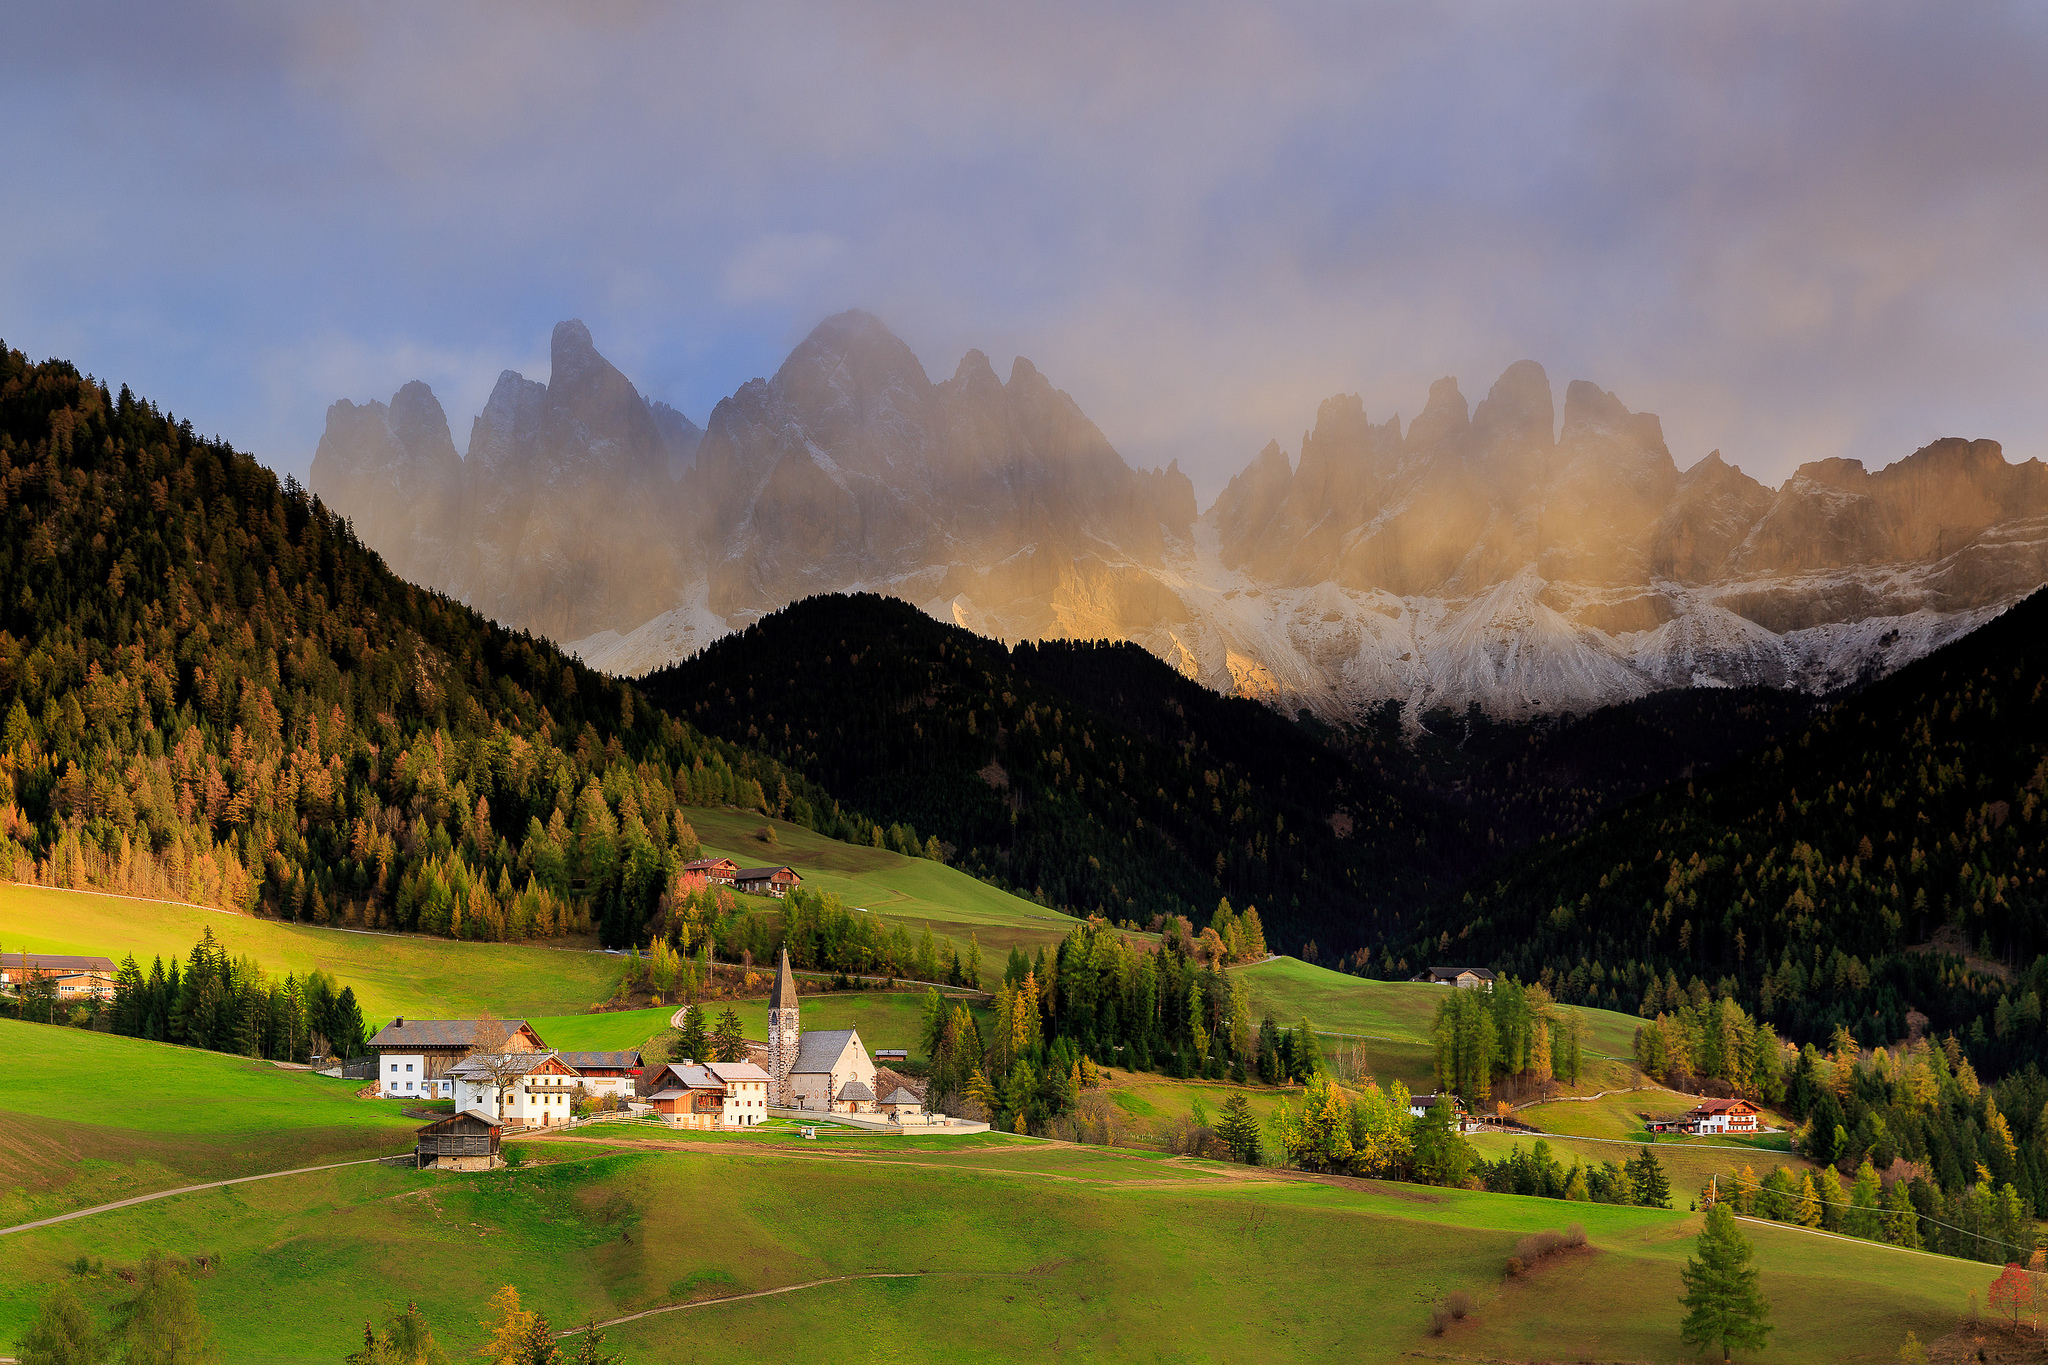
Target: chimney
{"points": [[399, 1022]]}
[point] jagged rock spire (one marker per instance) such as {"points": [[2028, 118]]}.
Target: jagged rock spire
{"points": [[785, 986]]}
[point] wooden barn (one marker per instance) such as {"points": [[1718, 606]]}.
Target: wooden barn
{"points": [[467, 1141], [767, 881]]}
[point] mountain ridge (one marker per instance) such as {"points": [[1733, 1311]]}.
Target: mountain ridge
{"points": [[1503, 555]]}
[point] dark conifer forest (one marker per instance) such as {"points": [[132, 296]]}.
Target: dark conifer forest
{"points": [[1089, 776], [212, 691], [1886, 858]]}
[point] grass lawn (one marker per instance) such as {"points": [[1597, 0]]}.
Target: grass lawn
{"points": [[1027, 1252], [1024, 1250], [1689, 1164], [1335, 1002], [916, 891], [392, 974], [88, 1118], [884, 1018]]}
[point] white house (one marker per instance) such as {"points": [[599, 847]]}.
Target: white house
{"points": [[713, 1095], [746, 1092], [414, 1056], [533, 1090]]}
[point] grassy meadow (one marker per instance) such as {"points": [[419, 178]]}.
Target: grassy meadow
{"points": [[1022, 1251], [88, 1118], [916, 891], [391, 973], [1018, 1249], [1381, 1028]]}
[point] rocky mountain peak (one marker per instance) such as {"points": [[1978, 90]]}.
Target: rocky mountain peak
{"points": [[1517, 410], [1443, 419]]}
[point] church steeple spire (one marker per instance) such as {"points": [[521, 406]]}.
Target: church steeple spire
{"points": [[785, 1035], [785, 986]]}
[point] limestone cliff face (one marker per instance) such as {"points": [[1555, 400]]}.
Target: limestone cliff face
{"points": [[1494, 555]]}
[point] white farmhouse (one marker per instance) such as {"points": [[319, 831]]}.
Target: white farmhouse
{"points": [[528, 1089], [414, 1056]]}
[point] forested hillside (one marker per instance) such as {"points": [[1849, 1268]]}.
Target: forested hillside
{"points": [[212, 691], [1839, 878], [1090, 776]]}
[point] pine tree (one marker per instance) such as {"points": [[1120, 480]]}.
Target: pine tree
{"points": [[1239, 1130], [508, 1328], [1724, 1303], [730, 1039], [1652, 1188], [692, 1044]]}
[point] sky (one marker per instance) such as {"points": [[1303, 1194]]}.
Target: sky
{"points": [[1793, 231]]}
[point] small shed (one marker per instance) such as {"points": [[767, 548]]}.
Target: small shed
{"points": [[903, 1106], [855, 1098], [467, 1141]]}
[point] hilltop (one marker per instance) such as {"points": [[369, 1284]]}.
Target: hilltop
{"points": [[1087, 776]]}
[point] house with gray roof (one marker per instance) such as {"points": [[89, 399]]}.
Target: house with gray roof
{"points": [[414, 1055]]}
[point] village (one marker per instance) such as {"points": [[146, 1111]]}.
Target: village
{"points": [[502, 1078]]}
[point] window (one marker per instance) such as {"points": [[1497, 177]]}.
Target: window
{"points": [[408, 1066], [394, 1066]]}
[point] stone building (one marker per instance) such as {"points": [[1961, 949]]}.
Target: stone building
{"points": [[826, 1070]]}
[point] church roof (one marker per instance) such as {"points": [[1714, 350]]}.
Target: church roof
{"points": [[785, 986], [819, 1048], [854, 1090], [903, 1096]]}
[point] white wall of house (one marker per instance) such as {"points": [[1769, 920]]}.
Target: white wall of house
{"points": [[746, 1102], [403, 1076]]}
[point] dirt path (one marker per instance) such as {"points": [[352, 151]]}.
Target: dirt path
{"points": [[182, 1189]]}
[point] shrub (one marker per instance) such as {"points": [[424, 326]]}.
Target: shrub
{"points": [[1455, 1307], [1538, 1245]]}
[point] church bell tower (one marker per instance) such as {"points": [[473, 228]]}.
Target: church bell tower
{"points": [[783, 1034]]}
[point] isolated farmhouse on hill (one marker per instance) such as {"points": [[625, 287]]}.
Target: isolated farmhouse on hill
{"points": [[73, 976], [1464, 978], [767, 881]]}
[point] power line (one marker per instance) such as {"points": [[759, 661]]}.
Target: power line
{"points": [[1758, 1187]]}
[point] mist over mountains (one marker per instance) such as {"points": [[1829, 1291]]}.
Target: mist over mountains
{"points": [[1486, 555]]}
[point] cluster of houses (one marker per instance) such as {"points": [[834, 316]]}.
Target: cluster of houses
{"points": [[757, 881], [501, 1076], [76, 978]]}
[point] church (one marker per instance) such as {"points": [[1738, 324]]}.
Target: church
{"points": [[827, 1071]]}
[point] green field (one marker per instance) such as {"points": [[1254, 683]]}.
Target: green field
{"points": [[87, 1118], [1689, 1163], [1339, 1003], [1018, 1249], [391, 973], [916, 891]]}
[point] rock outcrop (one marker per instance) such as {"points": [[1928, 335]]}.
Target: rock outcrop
{"points": [[1489, 555]]}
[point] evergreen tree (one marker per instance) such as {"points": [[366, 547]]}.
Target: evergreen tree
{"points": [[1442, 1156], [1239, 1129], [1650, 1187], [1724, 1303], [730, 1039], [692, 1044]]}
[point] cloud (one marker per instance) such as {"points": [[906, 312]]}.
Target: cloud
{"points": [[1792, 231], [769, 269]]}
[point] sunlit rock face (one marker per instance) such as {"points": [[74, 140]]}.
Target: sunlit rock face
{"points": [[1494, 555]]}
